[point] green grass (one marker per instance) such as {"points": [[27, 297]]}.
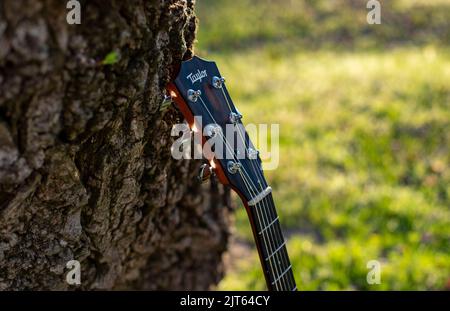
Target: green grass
{"points": [[364, 118]]}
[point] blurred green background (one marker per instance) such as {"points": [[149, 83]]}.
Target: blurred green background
{"points": [[364, 114]]}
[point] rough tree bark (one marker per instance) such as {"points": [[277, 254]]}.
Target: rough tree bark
{"points": [[85, 165]]}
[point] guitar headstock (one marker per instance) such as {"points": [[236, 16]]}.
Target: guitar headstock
{"points": [[201, 94]]}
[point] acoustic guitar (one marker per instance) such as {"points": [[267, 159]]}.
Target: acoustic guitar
{"points": [[200, 93]]}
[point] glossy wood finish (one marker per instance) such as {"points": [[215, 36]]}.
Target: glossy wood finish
{"points": [[214, 106]]}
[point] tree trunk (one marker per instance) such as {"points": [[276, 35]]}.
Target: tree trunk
{"points": [[85, 167]]}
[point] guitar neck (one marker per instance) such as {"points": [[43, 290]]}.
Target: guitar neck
{"points": [[200, 92], [271, 245]]}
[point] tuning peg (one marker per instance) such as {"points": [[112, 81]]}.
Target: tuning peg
{"points": [[252, 153], [205, 172], [193, 95], [211, 130], [235, 117], [218, 82], [234, 167]]}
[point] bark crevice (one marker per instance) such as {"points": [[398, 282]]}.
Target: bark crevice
{"points": [[85, 165]]}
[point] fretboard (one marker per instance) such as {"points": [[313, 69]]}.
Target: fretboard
{"points": [[271, 246]]}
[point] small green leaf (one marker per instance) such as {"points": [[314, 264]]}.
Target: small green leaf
{"points": [[111, 58]]}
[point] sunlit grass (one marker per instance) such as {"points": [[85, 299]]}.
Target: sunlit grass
{"points": [[283, 25], [412, 3], [364, 155], [364, 152]]}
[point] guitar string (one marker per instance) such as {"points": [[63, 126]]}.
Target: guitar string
{"points": [[270, 259], [266, 209], [276, 232], [270, 249], [226, 143], [272, 255], [249, 188], [246, 182], [274, 236], [284, 256]]}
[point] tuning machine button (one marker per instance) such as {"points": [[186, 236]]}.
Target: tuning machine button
{"points": [[193, 95], [233, 167], [205, 172], [212, 130], [218, 82], [235, 117], [252, 153]]}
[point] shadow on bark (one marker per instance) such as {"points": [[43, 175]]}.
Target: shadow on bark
{"points": [[85, 165]]}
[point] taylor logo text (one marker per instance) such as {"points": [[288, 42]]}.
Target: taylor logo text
{"points": [[198, 76]]}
